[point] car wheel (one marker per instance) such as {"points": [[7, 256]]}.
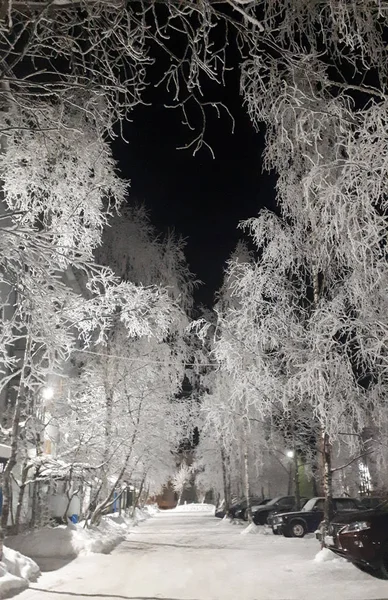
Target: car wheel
{"points": [[259, 520], [275, 531], [297, 529]]}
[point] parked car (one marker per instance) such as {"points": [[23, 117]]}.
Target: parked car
{"points": [[372, 501], [220, 511], [255, 504], [298, 523], [362, 538], [278, 504], [239, 510], [277, 512]]}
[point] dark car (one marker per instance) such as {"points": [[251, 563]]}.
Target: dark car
{"points": [[220, 511], [255, 504], [239, 510], [371, 502], [307, 520], [275, 513], [278, 504], [362, 538]]}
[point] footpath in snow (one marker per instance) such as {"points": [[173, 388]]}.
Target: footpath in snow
{"points": [[51, 547], [191, 555]]}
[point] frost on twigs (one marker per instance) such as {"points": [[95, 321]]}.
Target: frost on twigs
{"points": [[60, 181], [60, 188]]}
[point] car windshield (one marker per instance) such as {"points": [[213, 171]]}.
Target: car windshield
{"points": [[274, 500], [344, 504], [310, 504]]}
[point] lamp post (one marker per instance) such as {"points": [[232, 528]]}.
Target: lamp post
{"points": [[293, 454]]}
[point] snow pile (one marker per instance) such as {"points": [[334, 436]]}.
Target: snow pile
{"points": [[209, 508], [71, 540], [140, 515], [252, 528], [16, 571], [151, 509], [257, 529], [326, 555]]}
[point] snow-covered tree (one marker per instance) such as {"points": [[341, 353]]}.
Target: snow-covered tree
{"points": [[59, 187], [132, 385], [181, 480], [312, 307]]}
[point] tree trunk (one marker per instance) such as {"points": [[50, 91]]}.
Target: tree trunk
{"points": [[247, 482], [35, 501], [136, 501], [96, 515], [328, 482], [14, 442], [10, 463], [296, 481], [289, 482], [226, 483], [22, 489]]}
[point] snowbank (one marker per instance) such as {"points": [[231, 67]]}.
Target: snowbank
{"points": [[326, 555], [209, 508], [151, 509], [252, 528], [16, 571], [257, 529], [72, 540]]}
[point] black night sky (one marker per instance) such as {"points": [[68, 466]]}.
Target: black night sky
{"points": [[202, 198]]}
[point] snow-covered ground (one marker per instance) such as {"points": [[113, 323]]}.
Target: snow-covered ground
{"points": [[52, 547], [194, 556]]}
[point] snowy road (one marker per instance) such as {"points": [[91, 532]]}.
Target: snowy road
{"points": [[197, 557]]}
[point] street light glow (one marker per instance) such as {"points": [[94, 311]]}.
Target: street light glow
{"points": [[290, 453], [47, 393]]}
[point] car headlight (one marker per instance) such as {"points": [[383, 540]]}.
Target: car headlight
{"points": [[356, 526], [278, 519]]}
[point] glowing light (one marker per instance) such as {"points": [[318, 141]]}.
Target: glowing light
{"points": [[47, 393], [290, 453]]}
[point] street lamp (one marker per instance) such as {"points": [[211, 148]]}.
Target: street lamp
{"points": [[47, 393], [290, 453]]}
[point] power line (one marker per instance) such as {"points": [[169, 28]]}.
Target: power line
{"points": [[147, 361]]}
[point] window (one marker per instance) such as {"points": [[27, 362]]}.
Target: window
{"points": [[343, 504], [314, 504], [288, 501]]}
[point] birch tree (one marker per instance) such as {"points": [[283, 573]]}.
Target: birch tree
{"points": [[181, 480], [56, 197], [134, 383], [322, 273]]}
